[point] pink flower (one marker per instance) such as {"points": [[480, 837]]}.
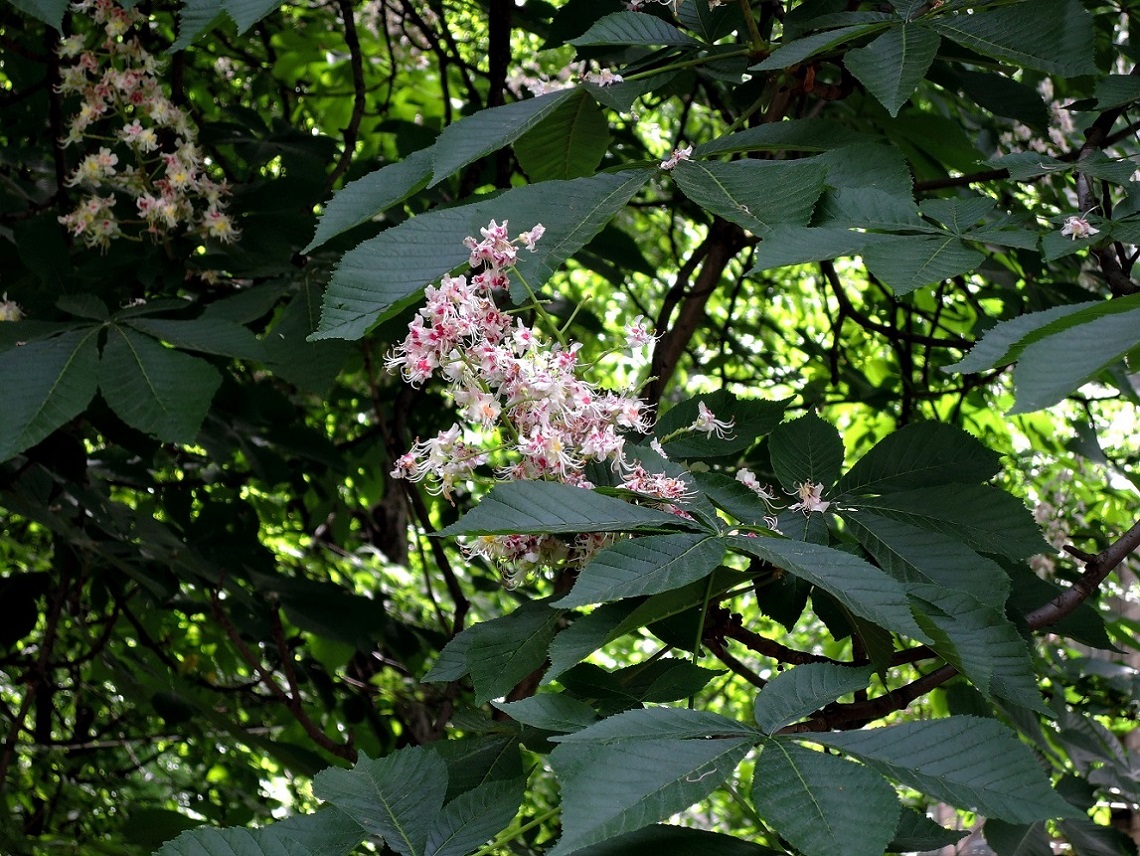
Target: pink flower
{"points": [[1078, 227], [708, 424], [680, 154]]}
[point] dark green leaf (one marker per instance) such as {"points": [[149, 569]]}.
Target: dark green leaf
{"points": [[754, 194], [921, 454], [155, 389], [895, 63], [1054, 36], [806, 450], [656, 723], [383, 275], [633, 28], [793, 245], [611, 788], [859, 586], [550, 712], [360, 200], [398, 797], [908, 262], [1004, 343], [232, 842], [797, 51], [797, 692], [474, 817], [675, 841], [207, 335], [918, 832], [750, 418], [48, 11], [586, 635], [540, 506], [647, 565], [1116, 90], [1009, 839], [567, 143], [983, 518], [824, 805], [47, 383], [503, 651], [972, 763], [797, 135], [487, 131]]}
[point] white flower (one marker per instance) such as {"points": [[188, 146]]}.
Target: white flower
{"points": [[1078, 227], [677, 156], [708, 424], [811, 498], [605, 77]]}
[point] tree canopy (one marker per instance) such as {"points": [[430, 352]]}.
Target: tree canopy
{"points": [[451, 427]]}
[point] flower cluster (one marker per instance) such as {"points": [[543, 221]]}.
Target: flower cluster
{"points": [[152, 161], [527, 413]]}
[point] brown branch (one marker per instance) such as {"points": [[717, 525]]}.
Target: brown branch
{"points": [[723, 242], [356, 62], [1096, 569], [721, 653], [771, 648], [292, 702]]}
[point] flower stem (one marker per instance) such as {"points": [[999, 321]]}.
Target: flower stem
{"points": [[537, 306], [515, 833], [687, 63]]}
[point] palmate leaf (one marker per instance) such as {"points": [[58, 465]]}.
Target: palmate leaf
{"points": [[893, 65], [586, 635], [657, 682], [48, 11], [797, 51], [359, 201], [806, 450], [754, 194], [207, 335], [232, 842], [658, 722], [920, 454], [1012, 839], [155, 389], [383, 275], [554, 507], [196, 16], [858, 585], [795, 693], [568, 143], [633, 28], [796, 135], [972, 763], [397, 797], [1054, 36], [473, 761], [47, 383], [918, 832], [612, 788], [793, 245], [550, 712], [824, 805], [1004, 342], [647, 565]]}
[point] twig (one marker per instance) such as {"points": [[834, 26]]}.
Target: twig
{"points": [[356, 62]]}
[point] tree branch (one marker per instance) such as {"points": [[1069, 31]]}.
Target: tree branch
{"points": [[356, 62]]}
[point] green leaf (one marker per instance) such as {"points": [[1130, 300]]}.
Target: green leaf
{"points": [[1005, 97], [667, 604], [586, 635], [325, 832], [975, 764], [751, 419], [473, 818], [155, 389], [1009, 839], [675, 841], [895, 63], [914, 555], [232, 842], [554, 507], [824, 805], [611, 788], [656, 723], [918, 832], [981, 643], [633, 28], [793, 245], [908, 262], [658, 682], [1054, 36], [398, 797], [1003, 343], [49, 11], [983, 518], [311, 366], [806, 450], [550, 712], [568, 143], [383, 275], [859, 586], [794, 135], [472, 761], [47, 383], [754, 194], [1051, 368], [472, 137], [1116, 90], [503, 651], [197, 16], [959, 213], [207, 335], [921, 454], [795, 693], [361, 200], [795, 52], [1024, 165], [647, 565]]}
